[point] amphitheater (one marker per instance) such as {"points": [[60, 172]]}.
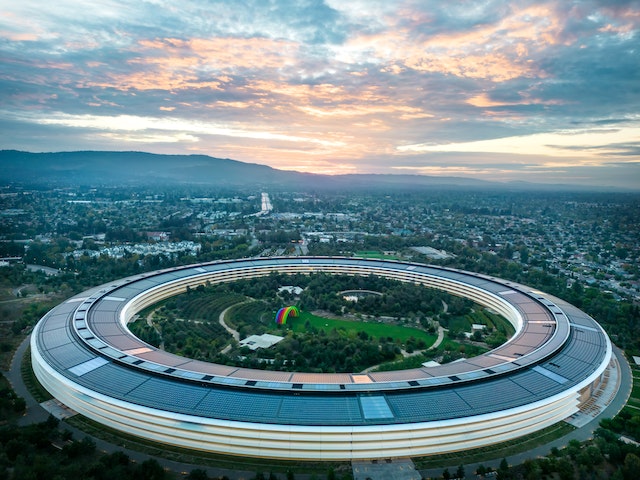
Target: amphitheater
{"points": [[85, 356]]}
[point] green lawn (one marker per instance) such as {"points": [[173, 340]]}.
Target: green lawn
{"points": [[634, 399], [377, 330], [375, 254], [635, 391]]}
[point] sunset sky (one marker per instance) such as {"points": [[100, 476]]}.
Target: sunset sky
{"points": [[540, 91]]}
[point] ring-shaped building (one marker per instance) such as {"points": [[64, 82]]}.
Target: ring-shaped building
{"points": [[86, 357]]}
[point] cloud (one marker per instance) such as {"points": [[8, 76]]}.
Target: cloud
{"points": [[483, 101], [127, 124], [507, 168], [363, 85], [588, 144]]}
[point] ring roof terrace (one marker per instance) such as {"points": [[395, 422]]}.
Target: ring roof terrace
{"points": [[542, 328]]}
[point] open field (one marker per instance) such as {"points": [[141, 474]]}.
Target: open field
{"points": [[633, 404], [375, 254], [373, 329]]}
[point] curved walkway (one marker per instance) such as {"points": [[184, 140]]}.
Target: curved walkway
{"points": [[439, 340], [234, 333], [436, 344], [150, 323], [35, 412]]}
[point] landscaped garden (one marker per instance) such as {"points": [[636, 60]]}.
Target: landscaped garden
{"points": [[392, 327]]}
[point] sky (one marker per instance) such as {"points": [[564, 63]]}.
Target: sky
{"points": [[502, 90]]}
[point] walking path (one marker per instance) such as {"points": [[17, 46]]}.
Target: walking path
{"points": [[234, 333], [406, 354], [439, 340], [155, 327], [436, 344], [34, 413]]}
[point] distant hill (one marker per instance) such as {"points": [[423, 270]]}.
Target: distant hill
{"points": [[132, 168], [93, 168], [139, 168]]}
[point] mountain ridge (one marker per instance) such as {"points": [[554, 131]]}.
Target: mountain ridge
{"points": [[130, 168]]}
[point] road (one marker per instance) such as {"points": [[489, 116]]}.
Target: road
{"points": [[36, 413]]}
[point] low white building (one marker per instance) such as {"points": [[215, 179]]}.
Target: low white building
{"points": [[266, 340]]}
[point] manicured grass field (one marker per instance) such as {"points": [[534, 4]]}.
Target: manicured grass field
{"points": [[377, 330], [634, 399], [375, 254]]}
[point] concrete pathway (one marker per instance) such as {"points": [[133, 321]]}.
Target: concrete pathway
{"points": [[439, 340], [34, 413], [234, 333], [155, 327]]}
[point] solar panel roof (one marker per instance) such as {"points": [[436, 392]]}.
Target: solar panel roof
{"points": [[129, 370]]}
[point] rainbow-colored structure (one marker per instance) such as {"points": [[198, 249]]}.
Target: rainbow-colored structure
{"points": [[284, 312]]}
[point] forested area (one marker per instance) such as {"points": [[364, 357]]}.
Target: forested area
{"points": [[188, 324], [44, 452], [605, 456], [322, 292], [11, 405], [48, 451]]}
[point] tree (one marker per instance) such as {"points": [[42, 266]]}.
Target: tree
{"points": [[533, 469], [573, 448], [198, 474], [75, 449], [116, 458], [150, 470], [503, 470], [589, 457], [565, 469], [631, 467]]}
